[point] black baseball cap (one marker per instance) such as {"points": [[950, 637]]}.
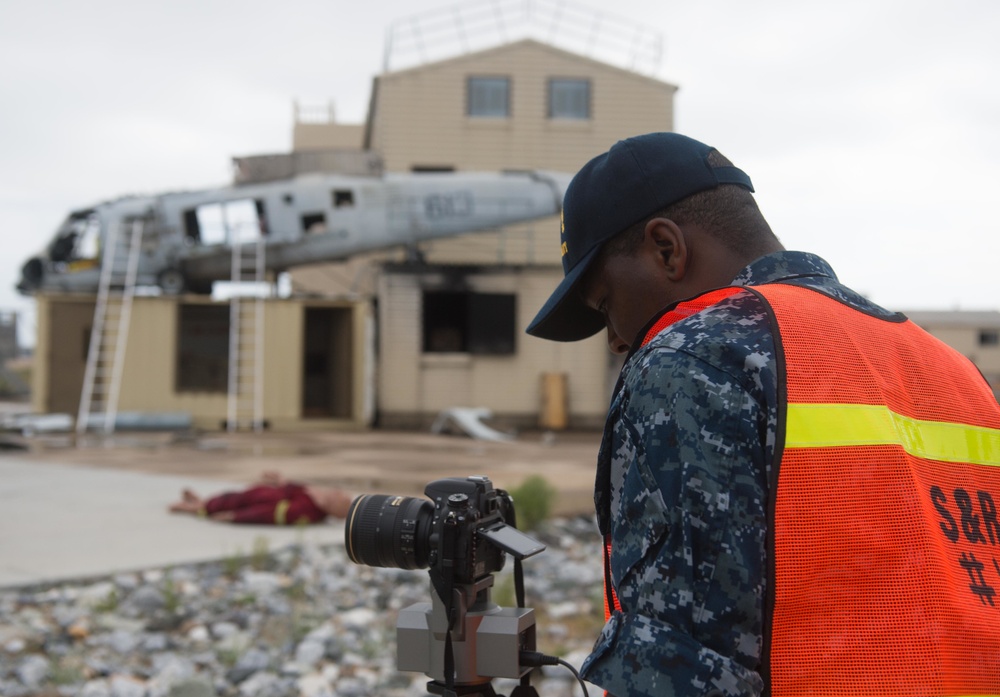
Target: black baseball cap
{"points": [[637, 177]]}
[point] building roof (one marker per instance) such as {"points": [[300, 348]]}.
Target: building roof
{"points": [[472, 26], [523, 44], [970, 319]]}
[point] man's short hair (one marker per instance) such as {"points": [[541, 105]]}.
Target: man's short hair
{"points": [[728, 212]]}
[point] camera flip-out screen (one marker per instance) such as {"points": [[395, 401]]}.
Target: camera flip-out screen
{"points": [[513, 541]]}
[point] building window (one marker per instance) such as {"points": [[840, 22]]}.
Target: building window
{"points": [[489, 97], [202, 348], [431, 169], [569, 98], [464, 322], [989, 337]]}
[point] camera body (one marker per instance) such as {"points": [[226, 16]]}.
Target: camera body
{"points": [[464, 510], [462, 536]]}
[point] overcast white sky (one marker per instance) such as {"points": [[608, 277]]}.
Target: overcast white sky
{"points": [[871, 128]]}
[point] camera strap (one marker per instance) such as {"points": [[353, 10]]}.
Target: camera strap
{"points": [[524, 689], [447, 594]]}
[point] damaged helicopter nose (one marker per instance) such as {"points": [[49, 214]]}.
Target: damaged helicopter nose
{"points": [[32, 274]]}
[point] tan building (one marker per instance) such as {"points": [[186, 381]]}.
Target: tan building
{"points": [[975, 334], [451, 325]]}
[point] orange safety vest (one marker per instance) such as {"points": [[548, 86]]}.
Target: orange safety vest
{"points": [[885, 564], [884, 536]]}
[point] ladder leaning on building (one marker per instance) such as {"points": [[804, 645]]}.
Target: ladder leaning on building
{"points": [[109, 332], [245, 405]]}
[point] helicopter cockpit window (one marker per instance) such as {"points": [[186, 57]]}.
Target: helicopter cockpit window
{"points": [[225, 222], [77, 238]]}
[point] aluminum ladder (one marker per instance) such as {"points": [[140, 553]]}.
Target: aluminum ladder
{"points": [[245, 406], [109, 332]]}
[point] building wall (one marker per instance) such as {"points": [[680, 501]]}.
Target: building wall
{"points": [[419, 115], [974, 334], [63, 333], [321, 136], [419, 119], [149, 379], [8, 336], [415, 385]]}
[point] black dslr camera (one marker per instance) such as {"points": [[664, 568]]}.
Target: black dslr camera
{"points": [[462, 536]]}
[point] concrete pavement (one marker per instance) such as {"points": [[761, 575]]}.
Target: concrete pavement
{"points": [[73, 509], [70, 521]]}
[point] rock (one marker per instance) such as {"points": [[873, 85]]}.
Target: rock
{"points": [[122, 640], [251, 662], [314, 685], [265, 684], [262, 582], [199, 634], [221, 630], [155, 642], [101, 593], [352, 687], [15, 645], [124, 686], [96, 688], [33, 671], [10, 688], [558, 611], [169, 671], [79, 630], [310, 651], [192, 688], [146, 599], [358, 618]]}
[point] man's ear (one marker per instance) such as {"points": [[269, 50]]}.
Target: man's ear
{"points": [[668, 240]]}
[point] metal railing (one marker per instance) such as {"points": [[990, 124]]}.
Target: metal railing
{"points": [[475, 26]]}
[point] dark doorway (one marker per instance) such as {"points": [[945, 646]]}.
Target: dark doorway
{"points": [[326, 363]]}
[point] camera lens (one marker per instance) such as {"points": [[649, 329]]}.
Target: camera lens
{"points": [[389, 531]]}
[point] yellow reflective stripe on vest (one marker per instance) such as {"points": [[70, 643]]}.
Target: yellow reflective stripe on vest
{"points": [[834, 425], [280, 511]]}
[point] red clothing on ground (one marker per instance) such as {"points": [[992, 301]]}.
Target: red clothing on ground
{"points": [[289, 504]]}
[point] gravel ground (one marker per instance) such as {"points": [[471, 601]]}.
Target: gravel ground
{"points": [[300, 621]]}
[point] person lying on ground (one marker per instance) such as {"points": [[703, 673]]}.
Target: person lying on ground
{"points": [[272, 500]]}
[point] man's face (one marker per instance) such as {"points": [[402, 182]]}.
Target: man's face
{"points": [[627, 290]]}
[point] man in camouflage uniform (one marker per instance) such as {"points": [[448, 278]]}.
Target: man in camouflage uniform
{"points": [[682, 474]]}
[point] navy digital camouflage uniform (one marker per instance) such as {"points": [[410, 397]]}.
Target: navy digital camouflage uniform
{"points": [[682, 488]]}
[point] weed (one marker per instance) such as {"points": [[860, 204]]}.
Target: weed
{"points": [[63, 674], [503, 591], [233, 564], [171, 595], [533, 501], [109, 603], [260, 556]]}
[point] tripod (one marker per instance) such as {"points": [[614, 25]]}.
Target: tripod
{"points": [[485, 641]]}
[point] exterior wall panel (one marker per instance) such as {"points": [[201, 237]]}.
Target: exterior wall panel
{"points": [[149, 372], [437, 130], [415, 386]]}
